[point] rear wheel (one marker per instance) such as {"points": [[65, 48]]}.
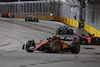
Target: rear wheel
{"points": [[13, 16], [80, 39], [97, 40], [36, 20], [75, 47], [25, 19]]}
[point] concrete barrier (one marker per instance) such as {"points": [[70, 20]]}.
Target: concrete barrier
{"points": [[54, 18], [91, 30], [66, 21]]}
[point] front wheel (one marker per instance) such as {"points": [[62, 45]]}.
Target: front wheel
{"points": [[55, 47], [30, 46], [58, 48]]}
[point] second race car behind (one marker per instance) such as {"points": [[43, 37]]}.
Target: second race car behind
{"points": [[64, 30], [31, 18], [88, 39]]}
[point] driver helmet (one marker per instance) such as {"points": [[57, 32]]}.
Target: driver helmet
{"points": [[54, 36], [64, 26]]}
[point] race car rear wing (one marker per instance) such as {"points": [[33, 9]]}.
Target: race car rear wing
{"points": [[87, 34], [67, 38]]}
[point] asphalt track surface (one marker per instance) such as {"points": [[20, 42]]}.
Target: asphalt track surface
{"points": [[16, 32]]}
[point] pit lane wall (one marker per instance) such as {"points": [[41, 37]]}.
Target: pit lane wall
{"points": [[91, 30]]}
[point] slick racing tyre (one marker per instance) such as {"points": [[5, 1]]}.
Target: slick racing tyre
{"points": [[55, 47], [70, 31], [75, 47], [36, 20], [58, 48], [80, 39], [25, 19], [97, 40], [13, 16], [29, 45]]}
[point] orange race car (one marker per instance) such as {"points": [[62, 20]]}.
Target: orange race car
{"points": [[55, 45], [7, 15], [88, 39]]}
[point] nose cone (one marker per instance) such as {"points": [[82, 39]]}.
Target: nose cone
{"points": [[36, 48]]}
